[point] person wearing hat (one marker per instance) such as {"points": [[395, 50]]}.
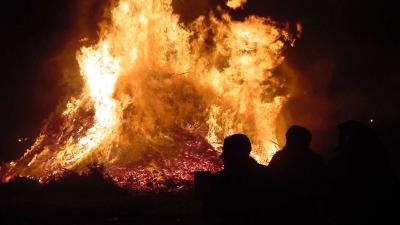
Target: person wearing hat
{"points": [[362, 181]]}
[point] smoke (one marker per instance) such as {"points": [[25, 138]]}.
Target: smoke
{"points": [[310, 104]]}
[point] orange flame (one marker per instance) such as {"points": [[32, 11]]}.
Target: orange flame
{"points": [[150, 80], [234, 4]]}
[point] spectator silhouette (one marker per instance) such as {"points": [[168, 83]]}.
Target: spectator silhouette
{"points": [[362, 182], [235, 196], [296, 174]]}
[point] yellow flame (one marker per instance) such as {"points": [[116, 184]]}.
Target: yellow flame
{"points": [[234, 4], [150, 74]]}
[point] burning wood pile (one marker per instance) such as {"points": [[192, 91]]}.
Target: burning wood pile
{"points": [[159, 96]]}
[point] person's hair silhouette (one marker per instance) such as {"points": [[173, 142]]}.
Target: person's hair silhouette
{"points": [[350, 131], [296, 173], [234, 189], [298, 137], [235, 151], [361, 177]]}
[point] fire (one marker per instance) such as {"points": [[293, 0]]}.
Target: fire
{"points": [[234, 4], [160, 96]]}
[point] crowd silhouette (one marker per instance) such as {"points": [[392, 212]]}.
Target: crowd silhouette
{"points": [[357, 186]]}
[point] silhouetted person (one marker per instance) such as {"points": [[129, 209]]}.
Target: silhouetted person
{"points": [[362, 182], [235, 196], [296, 174]]}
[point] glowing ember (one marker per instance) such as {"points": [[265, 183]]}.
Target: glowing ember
{"points": [[234, 4], [159, 97]]}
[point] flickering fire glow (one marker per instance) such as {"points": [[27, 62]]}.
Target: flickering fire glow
{"points": [[159, 96], [234, 4]]}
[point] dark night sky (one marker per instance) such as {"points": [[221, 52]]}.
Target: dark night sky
{"points": [[346, 63]]}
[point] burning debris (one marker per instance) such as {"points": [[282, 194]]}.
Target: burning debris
{"points": [[159, 96]]}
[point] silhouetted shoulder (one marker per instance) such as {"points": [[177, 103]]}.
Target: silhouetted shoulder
{"points": [[237, 190]]}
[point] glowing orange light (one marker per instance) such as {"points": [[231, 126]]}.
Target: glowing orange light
{"points": [[154, 85]]}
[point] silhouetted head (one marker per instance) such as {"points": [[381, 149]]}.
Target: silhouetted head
{"points": [[353, 133], [298, 137], [235, 151], [350, 129]]}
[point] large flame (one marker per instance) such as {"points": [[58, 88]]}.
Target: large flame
{"points": [[160, 96]]}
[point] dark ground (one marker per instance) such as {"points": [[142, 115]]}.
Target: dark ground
{"points": [[134, 208], [91, 199]]}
